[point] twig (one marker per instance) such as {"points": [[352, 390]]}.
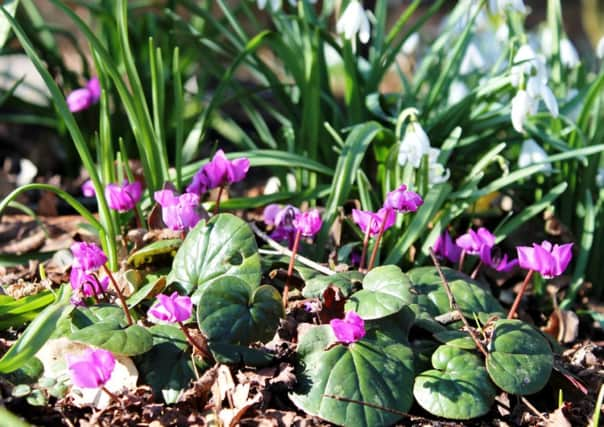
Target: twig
{"points": [[454, 305], [284, 251], [532, 408]]}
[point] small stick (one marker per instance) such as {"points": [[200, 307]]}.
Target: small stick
{"points": [[284, 251], [532, 408], [454, 305]]}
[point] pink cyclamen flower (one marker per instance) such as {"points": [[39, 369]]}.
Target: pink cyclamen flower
{"points": [[83, 98], [350, 329], [444, 246], [125, 197], [88, 189], [372, 220], [88, 256], [492, 257], [91, 369], [308, 223], [282, 219], [549, 260], [403, 200], [219, 172], [178, 212], [473, 241], [171, 309], [87, 283]]}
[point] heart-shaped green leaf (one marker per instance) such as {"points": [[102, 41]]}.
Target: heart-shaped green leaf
{"points": [[375, 370], [223, 246], [457, 339], [469, 294], [520, 360], [111, 336], [83, 317], [344, 281], [167, 367], [458, 388], [386, 290], [232, 311]]}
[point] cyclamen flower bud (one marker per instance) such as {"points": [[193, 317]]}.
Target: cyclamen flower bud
{"points": [[83, 98], [123, 198], [91, 369]]}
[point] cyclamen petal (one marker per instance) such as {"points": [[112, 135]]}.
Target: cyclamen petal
{"points": [[308, 223], [178, 212], [91, 369], [171, 309], [473, 241], [88, 256], [125, 197], [218, 172], [446, 247], [403, 200], [372, 220], [88, 189], [82, 98], [549, 260], [350, 329]]}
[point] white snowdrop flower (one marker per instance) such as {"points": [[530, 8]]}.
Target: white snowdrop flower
{"points": [[411, 44], [531, 153], [526, 63], [523, 105], [547, 41], [600, 178], [501, 6], [503, 33], [568, 54], [472, 60], [414, 145], [354, 20], [537, 88], [600, 49], [274, 4], [457, 91], [437, 173]]}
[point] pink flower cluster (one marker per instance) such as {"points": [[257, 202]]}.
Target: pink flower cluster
{"points": [[88, 258]]}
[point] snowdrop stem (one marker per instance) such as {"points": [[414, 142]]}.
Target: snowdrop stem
{"points": [[290, 268], [217, 205], [201, 349], [119, 295], [364, 252], [111, 395], [407, 112], [516, 303], [378, 239]]}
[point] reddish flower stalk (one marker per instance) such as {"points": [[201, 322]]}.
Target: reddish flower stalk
{"points": [[516, 303], [119, 295], [378, 240], [364, 251], [290, 268], [205, 354], [217, 205]]}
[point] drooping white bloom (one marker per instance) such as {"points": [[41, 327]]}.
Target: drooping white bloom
{"points": [[411, 44], [531, 153], [414, 146], [274, 4], [527, 63], [538, 88], [354, 20], [600, 49], [600, 178], [437, 173], [457, 91], [501, 6], [472, 60], [523, 105], [568, 54]]}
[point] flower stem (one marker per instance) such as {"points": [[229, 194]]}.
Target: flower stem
{"points": [[364, 252], [462, 258], [476, 270], [119, 295], [138, 217], [290, 268], [201, 349], [378, 239], [527, 279], [217, 205]]}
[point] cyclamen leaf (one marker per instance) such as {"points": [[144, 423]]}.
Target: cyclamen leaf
{"points": [[111, 336], [223, 246]]}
